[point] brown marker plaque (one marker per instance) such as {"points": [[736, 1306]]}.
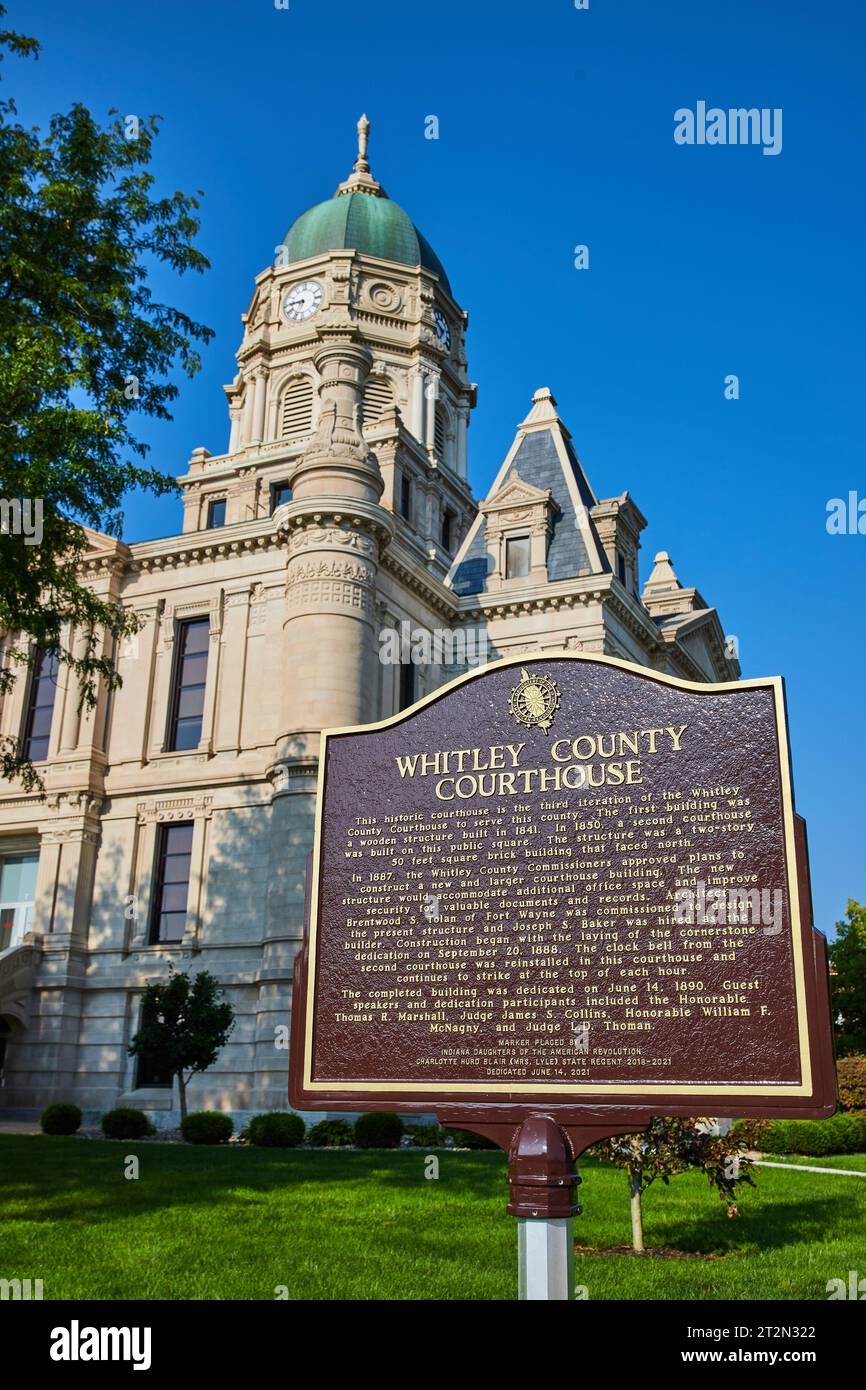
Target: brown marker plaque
{"points": [[563, 884]]}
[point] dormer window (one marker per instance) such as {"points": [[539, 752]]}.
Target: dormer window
{"points": [[517, 557], [519, 523], [621, 571], [216, 513]]}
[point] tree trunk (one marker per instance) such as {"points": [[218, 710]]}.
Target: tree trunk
{"points": [[636, 1213], [181, 1086]]}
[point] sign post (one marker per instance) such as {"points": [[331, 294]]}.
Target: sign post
{"points": [[551, 900], [542, 1181]]}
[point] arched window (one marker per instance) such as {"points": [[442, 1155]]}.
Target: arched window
{"points": [[297, 418], [378, 397]]}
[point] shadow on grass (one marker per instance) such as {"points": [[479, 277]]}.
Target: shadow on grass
{"points": [[48, 1180], [56, 1179]]}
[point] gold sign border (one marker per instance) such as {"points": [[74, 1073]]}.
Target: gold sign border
{"points": [[550, 1088]]}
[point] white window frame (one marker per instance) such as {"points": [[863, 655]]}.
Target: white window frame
{"points": [[22, 908]]}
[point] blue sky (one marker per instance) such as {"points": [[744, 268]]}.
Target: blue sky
{"points": [[556, 129]]}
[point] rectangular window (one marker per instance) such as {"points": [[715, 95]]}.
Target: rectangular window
{"points": [[405, 497], [516, 557], [407, 684], [190, 676], [17, 894], [149, 1075], [40, 706], [171, 882], [447, 529], [216, 513], [280, 493], [620, 567]]}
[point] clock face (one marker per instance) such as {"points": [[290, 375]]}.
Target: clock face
{"points": [[302, 301], [442, 329]]}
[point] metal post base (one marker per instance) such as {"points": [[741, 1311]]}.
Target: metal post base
{"points": [[545, 1257]]}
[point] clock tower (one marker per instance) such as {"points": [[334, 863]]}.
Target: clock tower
{"points": [[349, 427], [355, 269]]}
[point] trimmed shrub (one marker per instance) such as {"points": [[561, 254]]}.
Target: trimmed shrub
{"points": [[851, 1072], [776, 1137], [465, 1139], [60, 1118], [207, 1127], [840, 1134], [124, 1123], [426, 1136], [279, 1129], [378, 1130], [331, 1134]]}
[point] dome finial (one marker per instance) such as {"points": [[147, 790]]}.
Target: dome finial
{"points": [[362, 164], [361, 180]]}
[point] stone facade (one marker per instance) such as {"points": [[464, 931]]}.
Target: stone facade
{"points": [[337, 528]]}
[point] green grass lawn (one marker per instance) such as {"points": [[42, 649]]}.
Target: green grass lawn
{"points": [[237, 1223]]}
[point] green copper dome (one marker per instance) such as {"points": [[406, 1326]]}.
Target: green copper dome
{"points": [[359, 222], [361, 217]]}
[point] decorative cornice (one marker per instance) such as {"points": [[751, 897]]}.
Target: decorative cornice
{"points": [[192, 548], [349, 515], [178, 808]]}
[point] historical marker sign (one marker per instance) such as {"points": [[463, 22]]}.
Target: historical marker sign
{"points": [[563, 883]]}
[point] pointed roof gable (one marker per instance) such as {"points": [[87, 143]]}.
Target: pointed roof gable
{"points": [[543, 460]]}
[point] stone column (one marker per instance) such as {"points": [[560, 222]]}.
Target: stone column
{"points": [[431, 394], [337, 462], [136, 658], [91, 723], [247, 416], [230, 697], [71, 717], [259, 405], [235, 434], [416, 409], [462, 442]]}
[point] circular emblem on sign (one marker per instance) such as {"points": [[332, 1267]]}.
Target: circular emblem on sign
{"points": [[534, 701]]}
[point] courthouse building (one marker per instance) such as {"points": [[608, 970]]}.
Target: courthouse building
{"points": [[178, 813]]}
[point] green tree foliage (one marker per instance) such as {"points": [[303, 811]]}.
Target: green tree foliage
{"points": [[848, 981], [671, 1146], [85, 352], [184, 1023]]}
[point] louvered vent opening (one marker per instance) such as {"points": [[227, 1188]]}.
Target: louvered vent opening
{"points": [[439, 435], [298, 409], [378, 397]]}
